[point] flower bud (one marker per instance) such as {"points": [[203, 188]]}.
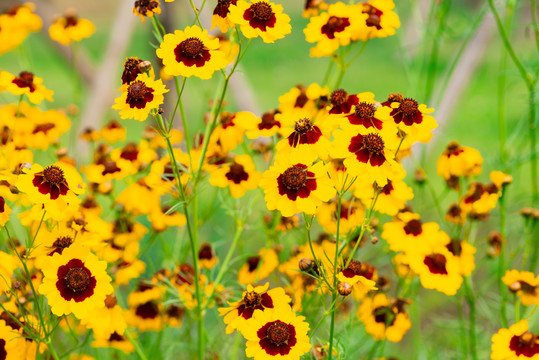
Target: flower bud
{"points": [[144, 66], [344, 288], [306, 264]]}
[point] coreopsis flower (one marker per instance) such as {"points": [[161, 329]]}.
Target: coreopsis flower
{"points": [[116, 341], [276, 334], [146, 8], [16, 23], [130, 197], [525, 284], [10, 348], [411, 118], [229, 48], [174, 315], [46, 130], [360, 275], [458, 160], [54, 241], [351, 215], [56, 186], [239, 176], [294, 188], [207, 259], [500, 179], [266, 125], [113, 132], [161, 177], [305, 141], [111, 319], [145, 312], [191, 53], [437, 268], [368, 113], [26, 83], [455, 214], [313, 8], [238, 314], [258, 267], [164, 217], [384, 318], [332, 29], [230, 129], [342, 102], [464, 252], [368, 153], [8, 264], [381, 20], [220, 16], [75, 281], [126, 271], [131, 70], [515, 343], [5, 211], [140, 97], [408, 233], [287, 223], [302, 99], [260, 18], [71, 28], [392, 197], [479, 199]]}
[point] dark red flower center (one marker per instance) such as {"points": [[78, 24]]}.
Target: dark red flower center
{"points": [[205, 252], [373, 143], [25, 79], [51, 181], [2, 204], [408, 107], [3, 352], [75, 281], [368, 148], [60, 244], [304, 133], [44, 128], [407, 112], [387, 189], [384, 315], [145, 7], [436, 264], [296, 181], [333, 25], [131, 70], [278, 333], [237, 173], [130, 152], [277, 338], [365, 111], [226, 119], [374, 15], [110, 167], [252, 262], [71, 20], [192, 51], [147, 310], [222, 8], [252, 299], [260, 15], [138, 95], [294, 178], [526, 344], [339, 97], [455, 247], [268, 121], [413, 227]]}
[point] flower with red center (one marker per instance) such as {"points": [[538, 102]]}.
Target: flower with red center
{"points": [[132, 69], [464, 252], [140, 97], [361, 276], [231, 128], [71, 28], [57, 184], [116, 341], [313, 8], [220, 16], [351, 215], [26, 83], [305, 141], [524, 284], [113, 132], [332, 29], [239, 176], [258, 267], [392, 197], [146, 8], [191, 53], [479, 199], [341, 102], [292, 188], [437, 268], [276, 334], [46, 130], [75, 281], [515, 343], [260, 18], [111, 320], [459, 160], [237, 315], [380, 20], [368, 153], [368, 113], [207, 259], [145, 307], [411, 118], [267, 125], [5, 211], [16, 23], [383, 318]]}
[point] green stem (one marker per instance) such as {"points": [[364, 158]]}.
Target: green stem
{"points": [[335, 269], [501, 263], [533, 141], [470, 298], [52, 350], [136, 345], [195, 10], [535, 23], [516, 303]]}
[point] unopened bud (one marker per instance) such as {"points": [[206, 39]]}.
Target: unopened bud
{"points": [[73, 109], [110, 301], [306, 264], [527, 339], [60, 152], [344, 288], [514, 287], [374, 240], [144, 66], [420, 176], [160, 111], [16, 284], [526, 212], [13, 189]]}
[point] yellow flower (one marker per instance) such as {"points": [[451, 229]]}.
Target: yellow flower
{"points": [[238, 314], [392, 197], [239, 176], [480, 199], [132, 195], [230, 129], [411, 118], [260, 18], [10, 346], [206, 257], [71, 28], [515, 343], [351, 216], [115, 341], [381, 20], [277, 334], [5, 211], [47, 130], [16, 23], [220, 16], [109, 320], [191, 53], [75, 281], [458, 160], [147, 8], [25, 83], [313, 8], [140, 97], [162, 218], [258, 267], [113, 132], [383, 318], [500, 179], [294, 188], [525, 284], [361, 276], [266, 125], [464, 252], [8, 264]]}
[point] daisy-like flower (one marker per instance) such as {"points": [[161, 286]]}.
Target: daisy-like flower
{"points": [[146, 8], [464, 252], [525, 284], [5, 211], [368, 153], [294, 188], [258, 267], [351, 215], [25, 83], [500, 179], [411, 118], [383, 318], [342, 102], [313, 8], [116, 341], [239, 176], [458, 160], [266, 125], [220, 16], [140, 97], [277, 334], [381, 20], [332, 29], [206, 256], [260, 18], [391, 199], [230, 129], [16, 23], [361, 276], [56, 185], [113, 132], [515, 343], [191, 53], [111, 320], [368, 113], [146, 309], [75, 281], [71, 28], [238, 314], [46, 130], [480, 199]]}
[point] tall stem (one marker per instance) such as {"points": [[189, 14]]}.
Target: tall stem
{"points": [[501, 263], [470, 298], [533, 141], [335, 269]]}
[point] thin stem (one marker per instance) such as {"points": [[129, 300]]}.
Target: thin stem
{"points": [[52, 350], [195, 10], [335, 269], [470, 298], [516, 303], [136, 345], [501, 262], [533, 141], [535, 23]]}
